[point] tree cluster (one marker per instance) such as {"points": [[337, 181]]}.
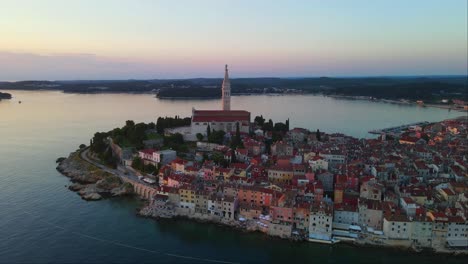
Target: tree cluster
{"points": [[170, 122], [216, 137], [236, 141], [175, 142], [277, 129], [131, 134]]}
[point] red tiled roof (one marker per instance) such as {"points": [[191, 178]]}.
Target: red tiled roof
{"points": [[220, 115], [148, 151]]}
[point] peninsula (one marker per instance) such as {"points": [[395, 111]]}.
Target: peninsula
{"points": [[405, 189]]}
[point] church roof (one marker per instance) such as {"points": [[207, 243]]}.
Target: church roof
{"points": [[220, 115]]}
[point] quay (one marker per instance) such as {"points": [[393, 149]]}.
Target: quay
{"points": [[397, 130]]}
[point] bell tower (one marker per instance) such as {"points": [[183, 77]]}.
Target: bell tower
{"points": [[226, 91]]}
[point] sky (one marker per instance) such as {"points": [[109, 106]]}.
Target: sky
{"points": [[143, 39]]}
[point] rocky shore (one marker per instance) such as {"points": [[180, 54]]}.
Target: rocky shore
{"points": [[89, 181]]}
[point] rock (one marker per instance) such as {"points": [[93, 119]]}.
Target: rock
{"points": [[76, 187], [124, 189], [91, 182], [79, 170], [109, 183], [92, 197], [59, 160]]}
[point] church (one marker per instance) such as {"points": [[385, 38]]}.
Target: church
{"points": [[225, 119]]}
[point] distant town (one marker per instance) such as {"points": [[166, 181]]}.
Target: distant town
{"points": [[407, 188]]}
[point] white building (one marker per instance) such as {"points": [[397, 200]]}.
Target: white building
{"points": [[157, 156], [320, 222], [334, 157], [408, 205], [397, 227], [347, 215], [422, 232], [147, 156], [457, 234], [318, 163]]}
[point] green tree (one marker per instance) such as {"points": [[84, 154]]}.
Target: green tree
{"points": [[268, 146], [208, 131], [317, 135], [82, 146], [268, 126], [99, 144], [199, 136], [137, 163], [151, 125], [280, 127], [129, 123], [233, 156], [217, 157], [160, 126], [150, 169], [259, 120], [216, 137]]}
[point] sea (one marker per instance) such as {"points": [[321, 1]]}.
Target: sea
{"points": [[41, 221]]}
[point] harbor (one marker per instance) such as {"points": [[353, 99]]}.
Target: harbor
{"points": [[398, 130]]}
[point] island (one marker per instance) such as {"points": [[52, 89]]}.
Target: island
{"points": [[5, 96], [405, 189]]}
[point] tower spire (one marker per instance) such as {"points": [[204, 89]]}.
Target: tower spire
{"points": [[226, 74], [226, 90]]}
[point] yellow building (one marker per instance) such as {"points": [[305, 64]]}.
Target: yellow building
{"points": [[278, 174]]}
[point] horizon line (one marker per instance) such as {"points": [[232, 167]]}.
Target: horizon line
{"points": [[258, 77]]}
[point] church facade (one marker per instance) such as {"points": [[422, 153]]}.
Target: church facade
{"points": [[225, 119]]}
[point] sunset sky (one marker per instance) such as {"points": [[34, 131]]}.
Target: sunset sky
{"points": [[122, 39]]}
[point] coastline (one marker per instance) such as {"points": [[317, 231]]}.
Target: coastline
{"points": [[89, 181], [237, 226]]}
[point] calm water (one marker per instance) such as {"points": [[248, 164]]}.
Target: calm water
{"points": [[41, 221]]}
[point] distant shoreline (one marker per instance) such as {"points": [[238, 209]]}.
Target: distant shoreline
{"points": [[429, 89]]}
